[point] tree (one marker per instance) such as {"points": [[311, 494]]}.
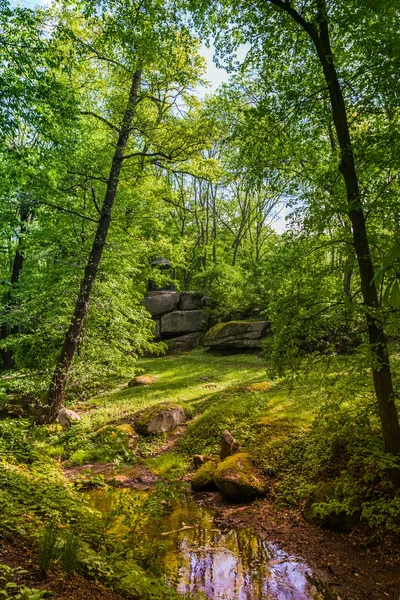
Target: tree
{"points": [[270, 33], [154, 56]]}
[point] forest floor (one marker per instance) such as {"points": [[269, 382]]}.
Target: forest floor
{"points": [[18, 552], [225, 391], [217, 392]]}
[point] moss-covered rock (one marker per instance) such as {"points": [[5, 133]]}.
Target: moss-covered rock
{"points": [[142, 380], [161, 418], [237, 478], [236, 334], [317, 511], [203, 479], [123, 431]]}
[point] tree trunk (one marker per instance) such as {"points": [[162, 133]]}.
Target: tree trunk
{"points": [[5, 330], [60, 375], [380, 363]]}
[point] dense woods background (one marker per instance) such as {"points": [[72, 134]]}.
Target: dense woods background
{"points": [[110, 158]]}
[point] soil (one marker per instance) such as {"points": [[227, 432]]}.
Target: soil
{"points": [[17, 552], [353, 570]]}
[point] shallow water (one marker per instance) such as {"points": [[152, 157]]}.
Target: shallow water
{"points": [[235, 564]]}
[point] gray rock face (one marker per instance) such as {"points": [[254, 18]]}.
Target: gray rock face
{"points": [[183, 321], [237, 334], [190, 301], [159, 303], [160, 418], [157, 333], [67, 417], [229, 445], [184, 343]]}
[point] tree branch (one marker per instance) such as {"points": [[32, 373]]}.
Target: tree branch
{"points": [[67, 210], [288, 8], [100, 118]]}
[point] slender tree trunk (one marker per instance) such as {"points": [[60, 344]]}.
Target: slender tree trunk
{"points": [[5, 329], [61, 372], [380, 362]]}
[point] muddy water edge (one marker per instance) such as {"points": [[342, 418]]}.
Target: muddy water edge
{"points": [[201, 559]]}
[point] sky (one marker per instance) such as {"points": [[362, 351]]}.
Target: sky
{"points": [[215, 76]]}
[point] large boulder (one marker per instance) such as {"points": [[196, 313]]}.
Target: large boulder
{"points": [[318, 512], [237, 478], [159, 303], [67, 417], [161, 418], [183, 321], [190, 301], [236, 334], [203, 479]]}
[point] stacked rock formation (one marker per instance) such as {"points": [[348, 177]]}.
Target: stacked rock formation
{"points": [[180, 317]]}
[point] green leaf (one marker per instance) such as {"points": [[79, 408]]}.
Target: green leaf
{"points": [[395, 295]]}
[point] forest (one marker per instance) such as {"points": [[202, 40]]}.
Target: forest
{"points": [[200, 300]]}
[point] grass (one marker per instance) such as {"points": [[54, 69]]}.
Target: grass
{"points": [[219, 392]]}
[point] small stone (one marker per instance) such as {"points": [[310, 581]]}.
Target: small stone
{"points": [[229, 445], [142, 380], [67, 417], [198, 460]]}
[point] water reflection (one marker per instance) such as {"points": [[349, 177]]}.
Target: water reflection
{"points": [[232, 565], [203, 560]]}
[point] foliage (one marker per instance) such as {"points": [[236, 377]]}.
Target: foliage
{"points": [[9, 577]]}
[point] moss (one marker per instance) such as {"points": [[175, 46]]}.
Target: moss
{"points": [[203, 479], [123, 431], [237, 478], [318, 512], [211, 333]]}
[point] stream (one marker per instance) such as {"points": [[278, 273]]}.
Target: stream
{"points": [[235, 564]]}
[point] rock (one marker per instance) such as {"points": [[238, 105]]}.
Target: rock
{"points": [[183, 321], [67, 417], [203, 479], [237, 478], [236, 334], [229, 445], [159, 303], [184, 343], [123, 431], [142, 380], [198, 460], [128, 433], [340, 522], [190, 301], [160, 418]]}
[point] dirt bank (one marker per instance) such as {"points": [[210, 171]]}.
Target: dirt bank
{"points": [[343, 561]]}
